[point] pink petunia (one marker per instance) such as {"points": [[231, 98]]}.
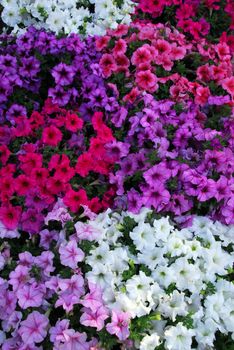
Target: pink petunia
{"points": [[94, 319], [141, 55], [177, 52], [228, 85], [30, 295], [86, 231], [119, 324], [67, 301], [107, 64], [34, 328], [70, 254], [71, 340], [19, 277], [51, 136], [45, 262], [93, 300], [58, 329], [147, 80], [74, 285], [10, 216], [8, 233]]}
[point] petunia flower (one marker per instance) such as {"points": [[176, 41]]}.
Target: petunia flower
{"points": [[70, 254], [119, 325], [34, 328]]}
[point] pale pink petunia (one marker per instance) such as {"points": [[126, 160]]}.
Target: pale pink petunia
{"points": [[46, 237], [67, 301], [2, 261], [34, 328], [12, 321], [70, 254], [60, 214], [19, 277], [53, 283], [94, 319], [119, 324], [87, 212], [93, 300], [86, 231], [8, 233], [58, 329], [71, 340], [30, 295], [26, 259], [74, 285], [45, 262]]}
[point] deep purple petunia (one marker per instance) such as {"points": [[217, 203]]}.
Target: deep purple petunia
{"points": [[63, 74]]}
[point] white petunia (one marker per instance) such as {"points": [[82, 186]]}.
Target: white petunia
{"points": [[216, 261], [38, 7], [213, 306], [152, 257], [10, 15], [9, 3], [98, 255], [66, 16], [186, 275], [150, 342], [226, 288], [143, 237], [141, 216], [227, 314], [109, 298], [126, 304], [163, 228], [104, 7], [177, 259], [72, 25], [194, 249], [117, 264], [173, 305], [163, 275], [100, 275], [176, 246], [138, 286], [202, 227], [178, 337], [205, 332], [55, 20]]}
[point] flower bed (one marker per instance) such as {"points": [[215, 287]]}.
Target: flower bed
{"points": [[178, 130], [116, 175], [116, 279]]}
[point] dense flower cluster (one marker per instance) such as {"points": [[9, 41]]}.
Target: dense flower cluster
{"points": [[179, 129], [67, 16], [38, 65], [116, 175], [53, 163], [167, 275], [197, 18], [134, 277]]}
